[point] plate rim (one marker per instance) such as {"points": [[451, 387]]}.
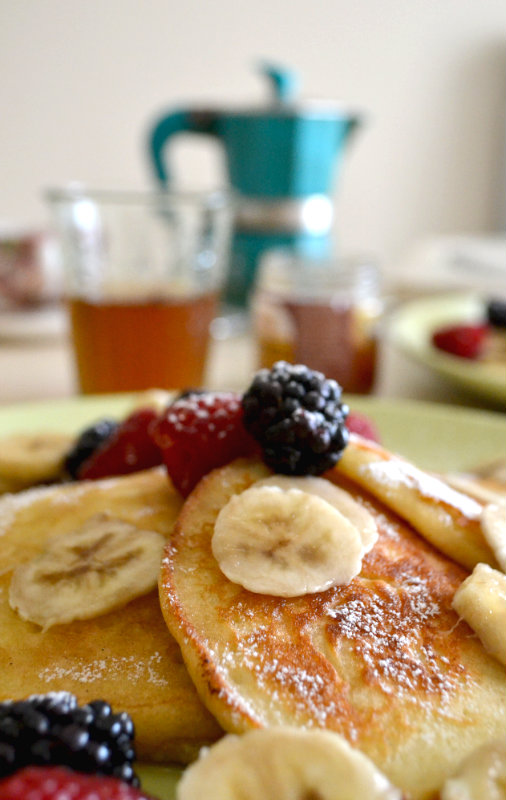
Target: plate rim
{"points": [[409, 330]]}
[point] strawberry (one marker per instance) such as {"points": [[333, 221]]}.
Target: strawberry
{"points": [[363, 426], [200, 432], [129, 448], [465, 341], [58, 783]]}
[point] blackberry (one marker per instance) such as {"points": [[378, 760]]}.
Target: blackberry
{"points": [[296, 416], [52, 730], [496, 313], [186, 393], [86, 444]]}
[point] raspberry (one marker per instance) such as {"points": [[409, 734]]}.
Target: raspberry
{"points": [[129, 448], [85, 445], [363, 426], [200, 432], [296, 416], [465, 341], [52, 729], [57, 783]]}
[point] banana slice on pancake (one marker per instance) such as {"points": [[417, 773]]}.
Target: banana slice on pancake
{"points": [[448, 519], [482, 776], [481, 601], [30, 458], [283, 763], [493, 524], [357, 514], [285, 542], [380, 660], [87, 572]]}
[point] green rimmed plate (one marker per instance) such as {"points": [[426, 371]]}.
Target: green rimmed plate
{"points": [[435, 437], [411, 328]]}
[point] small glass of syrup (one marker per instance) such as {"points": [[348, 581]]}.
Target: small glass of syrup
{"points": [[322, 313]]}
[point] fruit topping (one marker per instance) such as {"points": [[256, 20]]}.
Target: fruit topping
{"points": [[285, 542], [87, 572], [52, 729], [129, 448], [465, 341], [337, 497], [200, 432], [496, 313], [296, 416], [363, 426], [285, 763], [58, 783], [86, 444], [493, 525], [480, 776], [481, 601]]}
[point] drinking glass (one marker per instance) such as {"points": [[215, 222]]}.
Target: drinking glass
{"points": [[142, 277]]}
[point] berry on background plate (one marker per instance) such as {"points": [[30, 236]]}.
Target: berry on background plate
{"points": [[465, 341], [496, 313]]}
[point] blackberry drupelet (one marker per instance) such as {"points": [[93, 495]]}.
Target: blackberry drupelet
{"points": [[86, 444], [496, 313], [296, 416], [52, 729]]}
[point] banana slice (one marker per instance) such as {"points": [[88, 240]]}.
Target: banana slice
{"points": [[343, 501], [493, 525], [482, 776], [283, 763], [481, 601], [157, 399], [30, 458], [87, 572], [285, 543]]}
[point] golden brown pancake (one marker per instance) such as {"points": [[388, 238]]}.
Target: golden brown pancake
{"points": [[384, 660], [30, 459], [124, 656]]}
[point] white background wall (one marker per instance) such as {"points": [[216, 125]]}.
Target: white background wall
{"points": [[81, 80]]}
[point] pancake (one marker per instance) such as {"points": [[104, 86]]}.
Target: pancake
{"points": [[30, 459], [384, 660], [124, 656]]}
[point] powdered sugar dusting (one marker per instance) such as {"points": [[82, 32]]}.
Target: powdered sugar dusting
{"points": [[125, 668], [395, 473], [387, 629], [12, 504]]}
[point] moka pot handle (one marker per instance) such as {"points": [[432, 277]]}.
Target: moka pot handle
{"points": [[177, 122]]}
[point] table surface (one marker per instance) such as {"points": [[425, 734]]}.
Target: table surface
{"points": [[37, 368]]}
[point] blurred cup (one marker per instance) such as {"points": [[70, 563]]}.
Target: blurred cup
{"points": [[142, 276], [30, 276], [322, 313]]}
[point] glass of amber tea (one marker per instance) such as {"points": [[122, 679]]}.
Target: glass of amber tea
{"points": [[143, 273]]}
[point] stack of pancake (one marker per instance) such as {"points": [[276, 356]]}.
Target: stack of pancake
{"points": [[383, 660]]}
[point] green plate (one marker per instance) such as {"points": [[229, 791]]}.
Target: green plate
{"points": [[411, 328], [435, 437]]}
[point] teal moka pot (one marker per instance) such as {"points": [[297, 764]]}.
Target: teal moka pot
{"points": [[283, 161]]}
